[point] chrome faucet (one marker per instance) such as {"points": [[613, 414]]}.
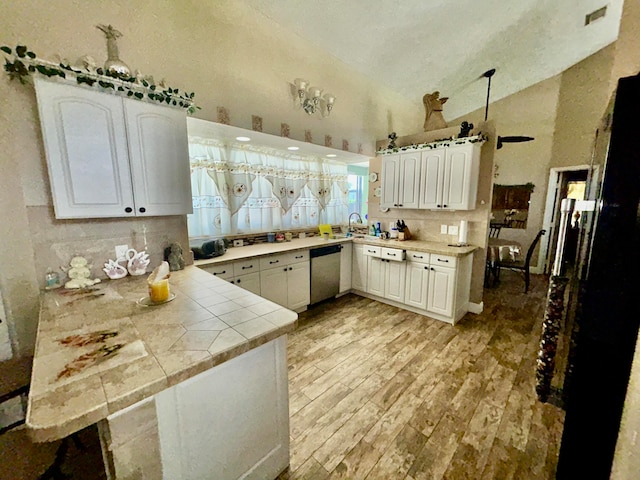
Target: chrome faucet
{"points": [[349, 230]]}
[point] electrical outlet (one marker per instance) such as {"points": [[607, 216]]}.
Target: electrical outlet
{"points": [[121, 251], [453, 229], [443, 229], [238, 243]]}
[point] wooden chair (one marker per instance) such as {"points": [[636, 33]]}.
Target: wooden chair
{"points": [[520, 265], [494, 229], [15, 377]]}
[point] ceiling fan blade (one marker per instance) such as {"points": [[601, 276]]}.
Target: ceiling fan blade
{"points": [[513, 139]]}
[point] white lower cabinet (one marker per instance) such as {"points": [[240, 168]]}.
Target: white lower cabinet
{"points": [[245, 274], [286, 279], [359, 269], [386, 272], [417, 285], [250, 282], [346, 256], [427, 283], [441, 290]]}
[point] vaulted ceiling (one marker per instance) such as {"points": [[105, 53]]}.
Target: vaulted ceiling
{"points": [[420, 46]]}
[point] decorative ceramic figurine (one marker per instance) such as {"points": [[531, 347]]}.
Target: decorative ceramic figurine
{"points": [[79, 274], [392, 140], [113, 65], [173, 255], [137, 262], [433, 119], [114, 270], [465, 128]]}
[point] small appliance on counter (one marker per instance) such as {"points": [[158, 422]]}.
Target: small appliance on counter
{"points": [[208, 248]]}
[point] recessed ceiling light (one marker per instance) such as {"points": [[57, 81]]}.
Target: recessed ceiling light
{"points": [[243, 139], [293, 148], [331, 155]]}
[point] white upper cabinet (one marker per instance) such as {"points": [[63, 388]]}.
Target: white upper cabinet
{"points": [[450, 177], [401, 180], [110, 156], [443, 178]]}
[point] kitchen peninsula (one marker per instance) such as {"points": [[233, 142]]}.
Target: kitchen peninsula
{"points": [[193, 388]]}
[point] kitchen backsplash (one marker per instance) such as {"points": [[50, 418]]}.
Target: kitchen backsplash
{"points": [[55, 242]]}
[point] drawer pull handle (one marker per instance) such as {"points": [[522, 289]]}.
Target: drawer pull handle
{"points": [[250, 266], [443, 260], [416, 256], [391, 254], [220, 273], [274, 261], [371, 251], [300, 256]]}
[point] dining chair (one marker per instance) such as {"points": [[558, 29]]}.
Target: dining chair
{"points": [[520, 265], [15, 378], [494, 229]]}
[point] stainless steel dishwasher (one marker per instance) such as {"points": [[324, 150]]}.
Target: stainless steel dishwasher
{"points": [[325, 272]]}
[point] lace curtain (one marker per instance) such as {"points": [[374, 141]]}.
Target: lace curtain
{"points": [[243, 189]]}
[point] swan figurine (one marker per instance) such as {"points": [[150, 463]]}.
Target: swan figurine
{"points": [[114, 270], [137, 262]]}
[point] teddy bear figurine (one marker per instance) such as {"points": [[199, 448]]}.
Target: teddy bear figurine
{"points": [[173, 255]]}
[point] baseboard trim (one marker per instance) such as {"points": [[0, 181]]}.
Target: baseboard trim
{"points": [[476, 307]]}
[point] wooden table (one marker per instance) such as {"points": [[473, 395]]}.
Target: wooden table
{"points": [[500, 250]]}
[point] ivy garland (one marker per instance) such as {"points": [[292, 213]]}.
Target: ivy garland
{"points": [[444, 142], [25, 62]]}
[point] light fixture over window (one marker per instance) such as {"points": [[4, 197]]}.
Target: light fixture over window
{"points": [[311, 98]]}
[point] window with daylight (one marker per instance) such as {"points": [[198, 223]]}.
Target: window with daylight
{"points": [[358, 190], [244, 189]]}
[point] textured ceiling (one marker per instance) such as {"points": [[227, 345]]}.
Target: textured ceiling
{"points": [[420, 46]]}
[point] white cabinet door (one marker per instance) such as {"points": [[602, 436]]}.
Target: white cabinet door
{"points": [[401, 181], [389, 178], [450, 177], [375, 276], [359, 271], [159, 155], [394, 280], [86, 147], [417, 285], [461, 179], [298, 285], [273, 285], [110, 156], [346, 261], [441, 290], [409, 180], [433, 167], [250, 282]]}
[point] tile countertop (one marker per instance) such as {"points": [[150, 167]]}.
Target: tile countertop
{"points": [[209, 322], [240, 253]]}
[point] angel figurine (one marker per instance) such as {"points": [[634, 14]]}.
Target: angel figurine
{"points": [[137, 262], [433, 111]]}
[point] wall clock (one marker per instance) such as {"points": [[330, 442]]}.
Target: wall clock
{"points": [[373, 177]]}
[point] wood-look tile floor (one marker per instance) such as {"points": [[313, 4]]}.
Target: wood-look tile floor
{"points": [[377, 392]]}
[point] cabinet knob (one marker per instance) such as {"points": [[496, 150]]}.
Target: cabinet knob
{"points": [[444, 206], [290, 268], [142, 209], [426, 268], [439, 206], [285, 269], [128, 209], [400, 205], [433, 269], [238, 281]]}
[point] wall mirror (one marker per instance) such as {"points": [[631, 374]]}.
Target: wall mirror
{"points": [[510, 205]]}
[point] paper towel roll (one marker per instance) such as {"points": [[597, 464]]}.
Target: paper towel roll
{"points": [[462, 232]]}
